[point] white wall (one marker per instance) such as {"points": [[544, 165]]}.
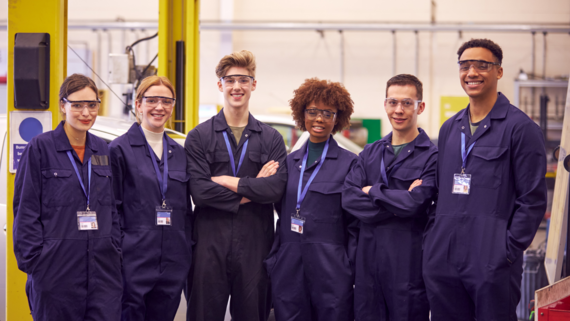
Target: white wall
{"points": [[286, 58]]}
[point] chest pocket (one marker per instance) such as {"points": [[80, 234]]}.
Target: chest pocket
{"points": [[217, 157], [324, 200], [56, 185], [407, 174], [177, 189], [102, 185], [486, 166], [258, 159]]}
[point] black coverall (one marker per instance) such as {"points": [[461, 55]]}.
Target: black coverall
{"points": [[232, 240]]}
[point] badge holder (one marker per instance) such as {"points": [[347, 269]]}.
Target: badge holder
{"points": [[461, 184], [87, 220], [163, 215], [297, 223]]}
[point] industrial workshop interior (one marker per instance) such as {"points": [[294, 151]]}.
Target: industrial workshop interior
{"points": [[406, 160]]}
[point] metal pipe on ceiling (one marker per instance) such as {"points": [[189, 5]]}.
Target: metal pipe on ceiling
{"points": [[544, 55], [394, 52], [341, 56], [99, 60], [291, 26], [533, 70], [417, 55]]}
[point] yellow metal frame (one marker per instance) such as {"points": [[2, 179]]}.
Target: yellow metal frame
{"points": [[49, 16], [179, 20]]}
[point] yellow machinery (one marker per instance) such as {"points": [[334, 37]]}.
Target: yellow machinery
{"points": [[178, 55], [178, 22], [28, 16]]}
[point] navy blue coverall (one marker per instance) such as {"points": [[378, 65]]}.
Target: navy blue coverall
{"points": [[156, 258], [473, 253], [72, 274], [232, 240], [389, 284], [312, 273]]}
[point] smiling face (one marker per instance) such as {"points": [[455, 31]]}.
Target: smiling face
{"points": [[79, 121], [319, 128], [403, 120], [237, 96], [154, 118], [476, 83]]}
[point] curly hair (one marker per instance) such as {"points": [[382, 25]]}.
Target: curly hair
{"points": [[494, 48], [326, 92]]}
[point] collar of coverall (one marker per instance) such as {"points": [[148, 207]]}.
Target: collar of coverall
{"points": [[422, 140], [62, 142], [332, 152], [499, 110], [136, 138], [220, 123]]}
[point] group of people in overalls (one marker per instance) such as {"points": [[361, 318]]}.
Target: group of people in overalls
{"points": [[404, 231]]}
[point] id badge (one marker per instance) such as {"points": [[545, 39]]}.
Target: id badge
{"points": [[87, 221], [163, 216], [461, 184], [297, 224]]}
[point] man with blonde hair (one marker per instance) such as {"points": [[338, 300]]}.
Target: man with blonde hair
{"points": [[233, 160]]}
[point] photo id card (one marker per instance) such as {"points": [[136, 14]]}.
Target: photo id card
{"points": [[163, 215], [461, 184], [297, 224], [87, 220]]}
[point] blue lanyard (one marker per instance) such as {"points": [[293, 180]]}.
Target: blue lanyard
{"points": [[383, 168], [244, 148], [301, 195], [79, 176], [463, 153], [162, 181]]}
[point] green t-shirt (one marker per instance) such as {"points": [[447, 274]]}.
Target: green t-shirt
{"points": [[398, 148], [237, 132], [473, 126], [315, 152]]}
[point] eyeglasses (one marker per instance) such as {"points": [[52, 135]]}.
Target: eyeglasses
{"points": [[480, 65], [79, 105], [153, 101], [242, 80], [313, 113], [407, 104]]}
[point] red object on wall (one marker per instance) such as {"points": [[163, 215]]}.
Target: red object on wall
{"points": [[3, 79]]}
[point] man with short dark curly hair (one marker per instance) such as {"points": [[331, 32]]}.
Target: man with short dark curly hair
{"points": [[390, 190], [492, 197]]}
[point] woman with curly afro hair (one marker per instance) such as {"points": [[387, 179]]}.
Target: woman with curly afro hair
{"points": [[310, 264]]}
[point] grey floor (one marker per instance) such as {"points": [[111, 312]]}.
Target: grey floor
{"points": [[181, 314]]}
